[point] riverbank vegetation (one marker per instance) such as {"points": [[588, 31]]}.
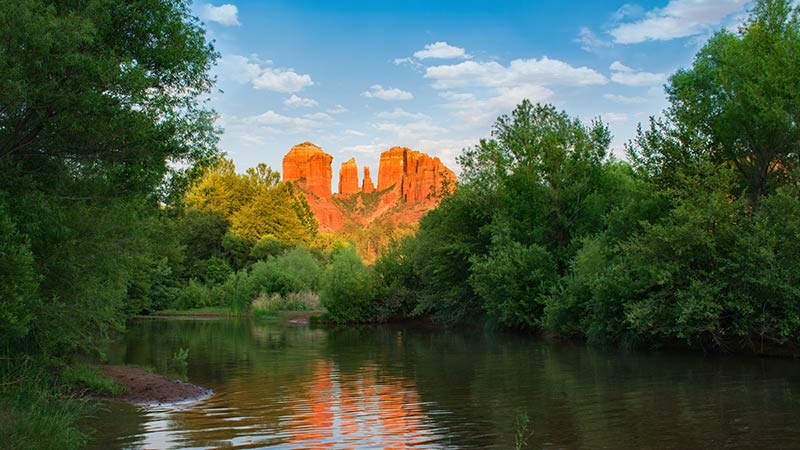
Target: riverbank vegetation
{"points": [[115, 201], [694, 240]]}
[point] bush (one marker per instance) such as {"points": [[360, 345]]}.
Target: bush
{"points": [[348, 289], [236, 293], [512, 281], [195, 295], [394, 270], [295, 271], [19, 283], [266, 247], [270, 304]]}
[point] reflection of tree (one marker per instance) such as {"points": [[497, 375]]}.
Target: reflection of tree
{"points": [[392, 386]]}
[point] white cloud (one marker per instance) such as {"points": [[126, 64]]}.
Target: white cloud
{"points": [[457, 97], [619, 67], [401, 114], [318, 116], [631, 77], [590, 42], [355, 133], [408, 60], [295, 101], [410, 129], [507, 98], [338, 109], [446, 149], [628, 10], [439, 50], [678, 19], [248, 70], [614, 117], [253, 139], [272, 123], [226, 14], [367, 149], [378, 91], [519, 71], [480, 112], [625, 100], [279, 80]]}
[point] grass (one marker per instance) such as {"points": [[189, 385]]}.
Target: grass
{"points": [[90, 378], [35, 413], [268, 305], [205, 311], [523, 433]]}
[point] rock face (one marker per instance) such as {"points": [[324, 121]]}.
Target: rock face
{"points": [[310, 167], [412, 176], [367, 187], [409, 184], [392, 166], [348, 178]]}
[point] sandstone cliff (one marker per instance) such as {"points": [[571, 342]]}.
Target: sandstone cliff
{"points": [[412, 176], [348, 177], [310, 167], [409, 184], [367, 187]]}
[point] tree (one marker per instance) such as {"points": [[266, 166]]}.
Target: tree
{"points": [[104, 91], [101, 121], [742, 97], [257, 204], [348, 288]]}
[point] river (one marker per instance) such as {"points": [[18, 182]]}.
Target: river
{"points": [[296, 386]]}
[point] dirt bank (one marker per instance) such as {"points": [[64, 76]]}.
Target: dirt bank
{"points": [[145, 387]]}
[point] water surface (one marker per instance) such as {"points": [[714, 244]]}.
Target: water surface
{"points": [[295, 386]]}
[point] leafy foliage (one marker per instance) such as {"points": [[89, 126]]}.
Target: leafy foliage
{"points": [[348, 289], [694, 241]]}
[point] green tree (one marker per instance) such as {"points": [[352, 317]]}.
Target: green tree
{"points": [[256, 204], [740, 100], [348, 288], [102, 120]]}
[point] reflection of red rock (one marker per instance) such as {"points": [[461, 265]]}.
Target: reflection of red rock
{"points": [[348, 177], [359, 409], [310, 167], [409, 182], [367, 187]]}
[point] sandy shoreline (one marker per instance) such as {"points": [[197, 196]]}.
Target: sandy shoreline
{"points": [[144, 387]]}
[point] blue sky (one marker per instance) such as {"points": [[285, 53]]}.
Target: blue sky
{"points": [[358, 77]]}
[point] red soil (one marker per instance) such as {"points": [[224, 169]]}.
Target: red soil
{"points": [[146, 387]]}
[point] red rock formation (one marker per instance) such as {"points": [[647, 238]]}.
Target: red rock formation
{"points": [[328, 215], [392, 167], [409, 183], [348, 178], [367, 187], [412, 176], [310, 167]]}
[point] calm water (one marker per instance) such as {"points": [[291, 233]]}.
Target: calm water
{"points": [[293, 386]]}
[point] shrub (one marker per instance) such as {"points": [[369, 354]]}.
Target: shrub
{"points": [[266, 247], [236, 293], [348, 289], [194, 295], [295, 271], [269, 304]]}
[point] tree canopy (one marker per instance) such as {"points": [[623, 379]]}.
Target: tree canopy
{"points": [[102, 121]]}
